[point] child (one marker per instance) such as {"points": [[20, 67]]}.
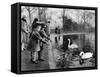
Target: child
{"points": [[35, 42], [46, 38]]}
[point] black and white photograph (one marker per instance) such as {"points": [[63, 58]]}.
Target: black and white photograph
{"points": [[57, 38], [49, 38]]}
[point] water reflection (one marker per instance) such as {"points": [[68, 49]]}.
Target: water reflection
{"points": [[80, 39], [84, 41]]}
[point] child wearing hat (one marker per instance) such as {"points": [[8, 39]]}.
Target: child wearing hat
{"points": [[35, 42]]}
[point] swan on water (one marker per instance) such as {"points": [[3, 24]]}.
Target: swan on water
{"points": [[72, 46], [84, 56]]}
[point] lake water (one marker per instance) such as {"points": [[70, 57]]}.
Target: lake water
{"points": [[85, 41]]}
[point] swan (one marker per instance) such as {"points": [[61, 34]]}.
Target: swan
{"points": [[72, 46], [84, 56]]}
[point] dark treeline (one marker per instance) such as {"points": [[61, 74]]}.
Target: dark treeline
{"points": [[69, 25]]}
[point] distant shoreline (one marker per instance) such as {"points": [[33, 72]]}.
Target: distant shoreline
{"points": [[71, 33]]}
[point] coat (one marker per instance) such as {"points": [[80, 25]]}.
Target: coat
{"points": [[43, 35], [34, 43]]}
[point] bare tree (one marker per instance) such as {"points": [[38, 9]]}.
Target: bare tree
{"points": [[29, 11]]}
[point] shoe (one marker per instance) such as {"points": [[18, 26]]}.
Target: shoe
{"points": [[40, 60]]}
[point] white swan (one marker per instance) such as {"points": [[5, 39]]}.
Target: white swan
{"points": [[72, 46], [86, 55]]}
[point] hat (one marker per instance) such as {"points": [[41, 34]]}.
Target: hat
{"points": [[42, 24], [35, 19], [36, 25]]}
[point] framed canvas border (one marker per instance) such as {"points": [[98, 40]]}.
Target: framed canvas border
{"points": [[16, 59]]}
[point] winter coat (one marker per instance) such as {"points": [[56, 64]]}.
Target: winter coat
{"points": [[34, 43]]}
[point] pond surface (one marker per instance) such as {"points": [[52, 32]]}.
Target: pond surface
{"points": [[64, 57]]}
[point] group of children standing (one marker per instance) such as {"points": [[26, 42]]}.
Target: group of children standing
{"points": [[38, 37]]}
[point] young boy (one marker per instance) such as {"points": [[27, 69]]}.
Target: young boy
{"points": [[35, 40]]}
